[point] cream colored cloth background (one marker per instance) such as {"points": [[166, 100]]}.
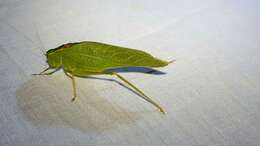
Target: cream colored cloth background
{"points": [[211, 94]]}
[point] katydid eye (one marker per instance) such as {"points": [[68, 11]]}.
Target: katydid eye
{"points": [[50, 51]]}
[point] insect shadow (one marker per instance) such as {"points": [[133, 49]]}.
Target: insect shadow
{"points": [[45, 101], [128, 70], [42, 103]]}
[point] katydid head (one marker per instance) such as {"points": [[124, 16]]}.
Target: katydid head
{"points": [[53, 58]]}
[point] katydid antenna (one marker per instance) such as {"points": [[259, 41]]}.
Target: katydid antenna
{"points": [[25, 36], [39, 39]]}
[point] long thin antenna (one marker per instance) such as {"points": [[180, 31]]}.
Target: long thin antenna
{"points": [[25, 36], [39, 39], [17, 31]]}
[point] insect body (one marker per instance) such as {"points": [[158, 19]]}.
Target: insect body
{"points": [[82, 59]]}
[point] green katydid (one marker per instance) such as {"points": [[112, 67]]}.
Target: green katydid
{"points": [[82, 59]]}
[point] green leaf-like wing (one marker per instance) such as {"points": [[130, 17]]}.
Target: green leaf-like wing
{"points": [[97, 57]]}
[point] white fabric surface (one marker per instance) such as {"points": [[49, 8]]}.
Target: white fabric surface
{"points": [[211, 94]]}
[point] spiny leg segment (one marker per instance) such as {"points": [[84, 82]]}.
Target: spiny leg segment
{"points": [[140, 92]]}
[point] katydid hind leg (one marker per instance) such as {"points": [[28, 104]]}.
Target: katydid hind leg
{"points": [[144, 96]]}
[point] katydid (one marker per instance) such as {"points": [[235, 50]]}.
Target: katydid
{"points": [[82, 59]]}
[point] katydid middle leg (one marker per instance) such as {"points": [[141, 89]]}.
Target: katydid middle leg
{"points": [[73, 85]]}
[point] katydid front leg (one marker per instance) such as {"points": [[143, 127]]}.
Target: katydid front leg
{"points": [[49, 73]]}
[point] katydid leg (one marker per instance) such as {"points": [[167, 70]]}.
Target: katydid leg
{"points": [[42, 72], [49, 73], [73, 85], [140, 92]]}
